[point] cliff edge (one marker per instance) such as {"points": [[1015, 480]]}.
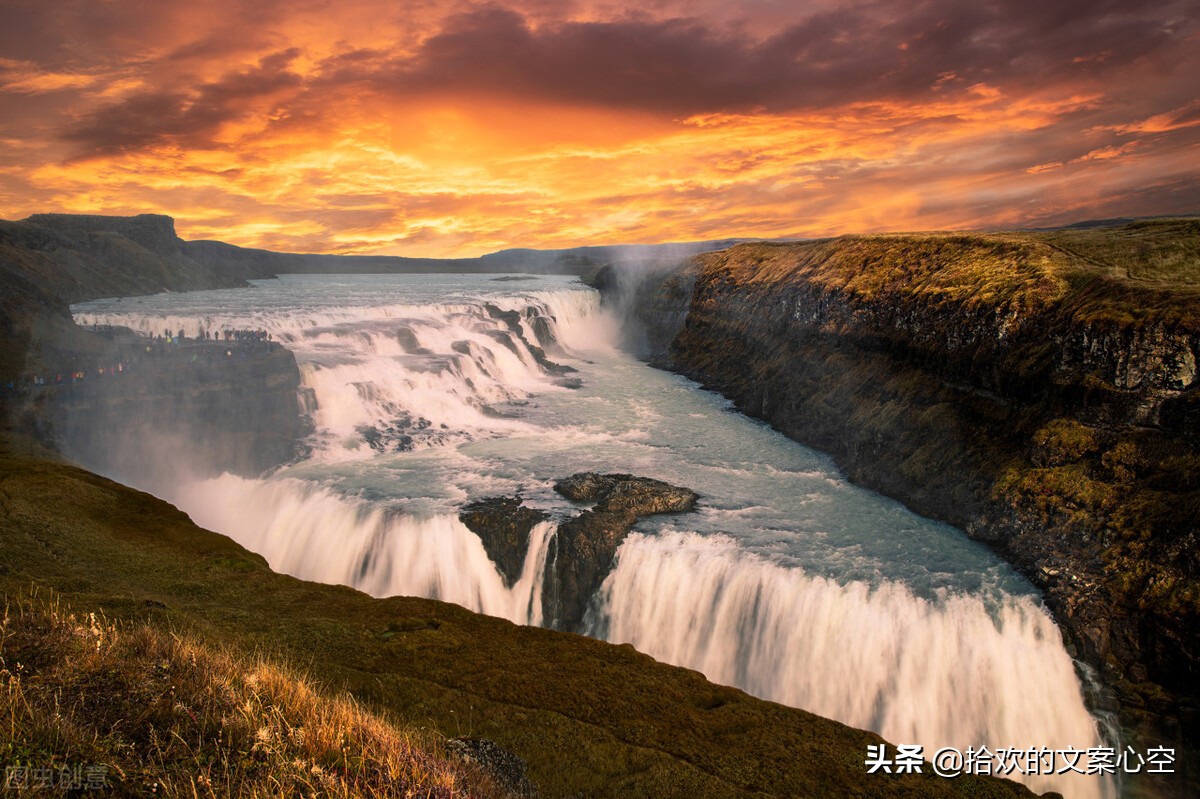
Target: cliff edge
{"points": [[89, 393], [1037, 389]]}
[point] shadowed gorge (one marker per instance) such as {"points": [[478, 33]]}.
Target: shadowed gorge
{"points": [[1038, 390]]}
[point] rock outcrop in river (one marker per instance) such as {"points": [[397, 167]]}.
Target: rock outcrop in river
{"points": [[1038, 390], [582, 553], [504, 525], [583, 550]]}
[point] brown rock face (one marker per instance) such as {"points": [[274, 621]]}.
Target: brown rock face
{"points": [[187, 409], [582, 552], [996, 384], [504, 525], [624, 493]]}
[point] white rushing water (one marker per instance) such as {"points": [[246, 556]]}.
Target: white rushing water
{"points": [[432, 391]]}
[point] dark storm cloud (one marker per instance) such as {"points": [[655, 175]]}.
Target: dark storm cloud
{"points": [[191, 118], [872, 52], [91, 34], [863, 53]]}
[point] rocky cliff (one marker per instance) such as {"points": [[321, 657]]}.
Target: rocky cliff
{"points": [[584, 548], [1038, 390], [196, 407], [79, 258], [49, 261], [91, 393]]}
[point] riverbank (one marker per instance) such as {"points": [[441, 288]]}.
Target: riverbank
{"points": [[1037, 390]]}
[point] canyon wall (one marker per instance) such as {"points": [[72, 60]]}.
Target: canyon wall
{"points": [[1043, 401], [99, 395], [195, 407]]}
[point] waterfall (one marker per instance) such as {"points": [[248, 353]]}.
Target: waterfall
{"points": [[419, 407], [957, 670], [398, 377], [954, 670], [309, 532]]}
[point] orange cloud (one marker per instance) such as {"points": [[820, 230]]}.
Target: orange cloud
{"points": [[1187, 116], [427, 129]]}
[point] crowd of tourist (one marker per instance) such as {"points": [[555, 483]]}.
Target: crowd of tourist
{"points": [[240, 343], [232, 335]]}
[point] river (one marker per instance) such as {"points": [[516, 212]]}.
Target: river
{"points": [[788, 581]]}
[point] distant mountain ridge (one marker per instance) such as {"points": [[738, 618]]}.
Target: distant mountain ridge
{"points": [[570, 261], [88, 256]]}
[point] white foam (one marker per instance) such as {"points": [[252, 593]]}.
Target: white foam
{"points": [[309, 532], [946, 672], [356, 361]]}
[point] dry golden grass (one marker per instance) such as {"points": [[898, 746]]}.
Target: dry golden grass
{"points": [[1165, 251], [973, 269], [152, 713], [1142, 273]]}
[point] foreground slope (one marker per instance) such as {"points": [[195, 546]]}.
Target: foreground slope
{"points": [[132, 708], [591, 718]]}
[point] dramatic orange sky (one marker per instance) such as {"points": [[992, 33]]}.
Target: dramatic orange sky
{"points": [[445, 128]]}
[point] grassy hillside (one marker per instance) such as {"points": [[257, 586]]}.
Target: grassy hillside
{"points": [[590, 718], [1165, 251], [137, 709], [996, 270], [1146, 271]]}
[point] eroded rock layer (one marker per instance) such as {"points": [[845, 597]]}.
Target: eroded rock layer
{"points": [[1043, 401], [584, 547]]}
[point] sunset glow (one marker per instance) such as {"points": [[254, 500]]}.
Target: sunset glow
{"points": [[454, 129]]}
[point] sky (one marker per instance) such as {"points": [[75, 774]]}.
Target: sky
{"points": [[444, 129]]}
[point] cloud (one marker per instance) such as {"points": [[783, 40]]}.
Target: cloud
{"points": [[854, 54], [24, 77], [84, 33], [435, 128], [673, 68], [149, 118], [1175, 119]]}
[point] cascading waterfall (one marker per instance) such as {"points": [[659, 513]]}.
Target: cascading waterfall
{"points": [[428, 397], [401, 376], [928, 671], [310, 532]]}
